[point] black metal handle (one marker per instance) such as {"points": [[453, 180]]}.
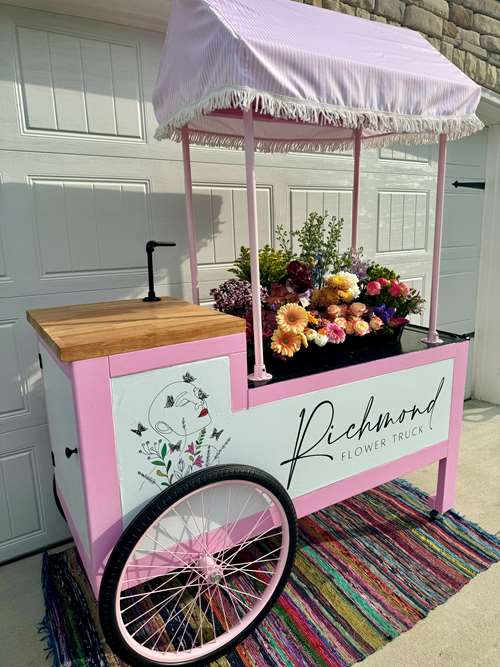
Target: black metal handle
{"points": [[477, 185], [69, 452], [150, 248]]}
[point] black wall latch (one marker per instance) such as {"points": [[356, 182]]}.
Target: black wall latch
{"points": [[69, 452], [150, 248], [477, 185]]}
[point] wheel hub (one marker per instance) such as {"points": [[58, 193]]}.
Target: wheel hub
{"points": [[210, 569]]}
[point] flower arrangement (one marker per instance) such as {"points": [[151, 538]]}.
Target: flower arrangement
{"points": [[318, 296]]}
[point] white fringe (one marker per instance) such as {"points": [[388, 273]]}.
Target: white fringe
{"points": [[392, 127]]}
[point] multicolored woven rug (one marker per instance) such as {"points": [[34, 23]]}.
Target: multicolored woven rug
{"points": [[366, 570]]}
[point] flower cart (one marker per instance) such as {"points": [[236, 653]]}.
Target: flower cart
{"points": [[180, 477]]}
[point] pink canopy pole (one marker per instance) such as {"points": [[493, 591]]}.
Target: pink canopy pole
{"points": [[188, 187], [259, 374], [358, 135], [432, 337]]}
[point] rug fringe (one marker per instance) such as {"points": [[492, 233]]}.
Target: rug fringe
{"points": [[44, 627]]}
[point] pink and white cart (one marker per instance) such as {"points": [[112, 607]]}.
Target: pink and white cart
{"points": [[180, 477]]}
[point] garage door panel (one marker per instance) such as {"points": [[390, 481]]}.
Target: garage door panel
{"points": [[73, 84], [402, 221], [220, 213], [336, 202], [28, 519], [77, 85], [413, 154], [80, 224], [21, 394]]}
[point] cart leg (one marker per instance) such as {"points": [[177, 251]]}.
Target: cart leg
{"points": [[446, 485], [448, 467]]}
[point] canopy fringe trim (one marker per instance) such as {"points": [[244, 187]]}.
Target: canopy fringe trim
{"points": [[393, 127]]}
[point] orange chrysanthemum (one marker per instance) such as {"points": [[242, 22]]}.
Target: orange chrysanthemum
{"points": [[292, 317], [285, 343]]}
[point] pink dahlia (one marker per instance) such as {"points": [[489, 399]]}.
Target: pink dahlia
{"points": [[335, 333]]}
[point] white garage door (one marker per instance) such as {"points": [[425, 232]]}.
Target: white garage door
{"points": [[83, 186]]}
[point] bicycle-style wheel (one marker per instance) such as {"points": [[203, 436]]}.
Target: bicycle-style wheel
{"points": [[199, 568]]}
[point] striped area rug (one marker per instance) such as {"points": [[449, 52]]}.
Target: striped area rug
{"points": [[366, 570]]}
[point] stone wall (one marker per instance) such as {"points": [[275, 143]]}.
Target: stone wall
{"points": [[467, 32]]}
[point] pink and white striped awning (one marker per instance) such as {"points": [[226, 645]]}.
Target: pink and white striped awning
{"points": [[325, 73]]}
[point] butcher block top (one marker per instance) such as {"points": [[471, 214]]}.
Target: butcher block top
{"points": [[102, 329]]}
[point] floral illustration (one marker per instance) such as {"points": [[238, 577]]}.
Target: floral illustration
{"points": [[180, 415]]}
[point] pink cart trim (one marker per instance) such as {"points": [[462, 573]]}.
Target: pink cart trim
{"points": [[172, 355], [448, 467], [364, 481], [358, 136], [340, 376], [97, 451], [259, 374], [432, 336], [188, 187], [239, 385], [75, 534]]}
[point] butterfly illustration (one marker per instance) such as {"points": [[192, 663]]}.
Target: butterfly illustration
{"points": [[170, 402], [139, 430], [176, 447], [201, 395], [217, 434], [187, 377]]}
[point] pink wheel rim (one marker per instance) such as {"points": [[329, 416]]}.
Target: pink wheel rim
{"points": [[203, 580]]}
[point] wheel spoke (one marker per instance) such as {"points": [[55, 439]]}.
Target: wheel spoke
{"points": [[158, 607], [255, 539]]}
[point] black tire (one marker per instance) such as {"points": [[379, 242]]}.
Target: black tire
{"points": [[149, 515], [56, 498]]}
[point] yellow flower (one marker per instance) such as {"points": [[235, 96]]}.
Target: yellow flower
{"points": [[311, 319], [292, 317], [324, 297], [361, 328], [285, 343], [345, 284]]}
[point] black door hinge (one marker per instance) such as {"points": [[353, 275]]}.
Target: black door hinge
{"points": [[477, 185], [40, 360]]}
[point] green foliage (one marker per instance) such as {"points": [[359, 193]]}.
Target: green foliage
{"points": [[378, 271], [411, 304], [272, 264], [318, 240]]}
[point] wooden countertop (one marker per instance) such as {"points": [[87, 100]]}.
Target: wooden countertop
{"points": [[102, 329]]}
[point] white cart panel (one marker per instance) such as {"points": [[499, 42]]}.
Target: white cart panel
{"points": [[172, 421], [63, 433]]}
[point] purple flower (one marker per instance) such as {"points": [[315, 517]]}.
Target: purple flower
{"points": [[198, 462], [234, 297], [190, 448], [299, 276], [354, 262], [384, 312]]}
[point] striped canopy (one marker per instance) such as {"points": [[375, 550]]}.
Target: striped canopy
{"points": [[324, 73]]}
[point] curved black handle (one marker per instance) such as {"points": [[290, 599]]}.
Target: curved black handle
{"points": [[69, 452], [150, 248]]}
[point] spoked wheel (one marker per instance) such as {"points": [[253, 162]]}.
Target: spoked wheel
{"points": [[198, 568]]}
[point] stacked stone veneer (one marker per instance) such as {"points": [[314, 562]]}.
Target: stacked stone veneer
{"points": [[467, 32]]}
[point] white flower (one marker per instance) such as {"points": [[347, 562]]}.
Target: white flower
{"points": [[321, 340], [310, 334]]}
